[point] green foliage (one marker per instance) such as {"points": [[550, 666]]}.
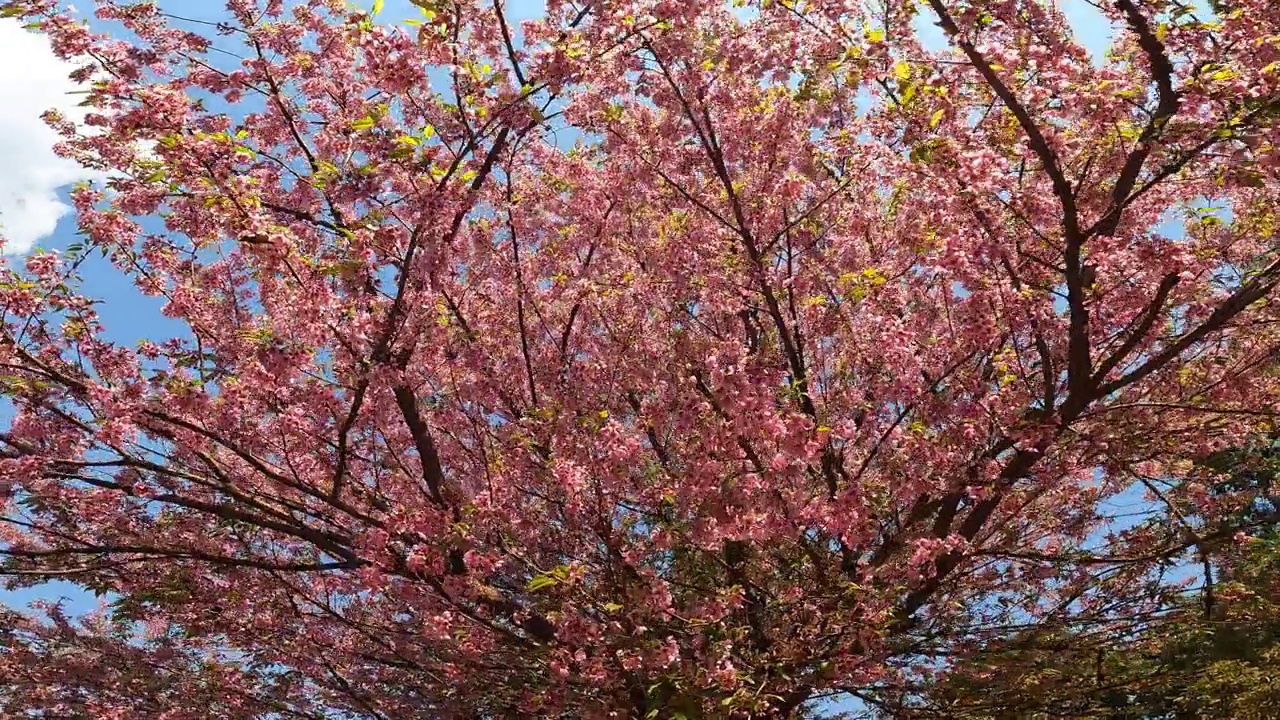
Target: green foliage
{"points": [[1205, 656]]}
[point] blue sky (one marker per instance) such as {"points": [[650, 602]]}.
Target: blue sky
{"points": [[33, 210]]}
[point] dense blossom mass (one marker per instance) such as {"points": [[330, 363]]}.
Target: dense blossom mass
{"points": [[649, 359]]}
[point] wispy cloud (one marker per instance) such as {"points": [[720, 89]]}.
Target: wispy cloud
{"points": [[32, 80]]}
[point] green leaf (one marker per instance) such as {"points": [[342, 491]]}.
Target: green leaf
{"points": [[1223, 75], [377, 7], [364, 123], [541, 582]]}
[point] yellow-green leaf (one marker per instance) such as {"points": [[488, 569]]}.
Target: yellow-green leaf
{"points": [[541, 582]]}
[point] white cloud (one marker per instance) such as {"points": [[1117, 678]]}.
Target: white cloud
{"points": [[32, 80]]}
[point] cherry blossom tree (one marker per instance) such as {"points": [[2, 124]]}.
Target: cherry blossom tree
{"points": [[651, 359]]}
